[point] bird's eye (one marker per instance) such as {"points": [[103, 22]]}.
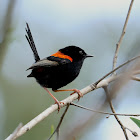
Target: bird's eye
{"points": [[80, 52]]}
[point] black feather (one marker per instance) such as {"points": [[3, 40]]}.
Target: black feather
{"points": [[31, 43]]}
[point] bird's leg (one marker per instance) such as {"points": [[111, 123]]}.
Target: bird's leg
{"points": [[75, 91], [56, 101]]}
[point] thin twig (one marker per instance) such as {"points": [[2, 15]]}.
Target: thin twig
{"points": [[133, 132], [113, 110], [135, 78], [58, 126], [13, 135], [101, 112], [122, 35], [134, 58], [114, 66]]}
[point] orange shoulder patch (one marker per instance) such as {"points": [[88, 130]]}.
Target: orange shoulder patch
{"points": [[61, 55]]}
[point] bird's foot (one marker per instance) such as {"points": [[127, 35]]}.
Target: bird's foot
{"points": [[59, 104], [78, 92]]}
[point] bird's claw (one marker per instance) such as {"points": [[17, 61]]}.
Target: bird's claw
{"points": [[78, 92], [59, 105]]}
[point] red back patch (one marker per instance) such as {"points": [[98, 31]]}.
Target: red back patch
{"points": [[61, 55]]}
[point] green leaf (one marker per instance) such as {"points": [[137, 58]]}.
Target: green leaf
{"points": [[52, 129], [136, 121]]}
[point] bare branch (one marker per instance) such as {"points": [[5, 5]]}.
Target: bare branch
{"points": [[122, 35], [135, 78], [134, 58], [133, 132], [13, 135], [101, 112], [113, 110], [58, 126]]}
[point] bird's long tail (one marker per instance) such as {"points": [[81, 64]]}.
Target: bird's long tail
{"points": [[31, 43]]}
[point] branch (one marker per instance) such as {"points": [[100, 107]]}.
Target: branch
{"points": [[133, 132], [12, 136], [113, 110], [114, 66], [135, 78], [101, 112], [122, 35], [100, 83], [112, 77], [58, 126]]}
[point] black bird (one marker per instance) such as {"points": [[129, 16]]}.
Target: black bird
{"points": [[57, 70]]}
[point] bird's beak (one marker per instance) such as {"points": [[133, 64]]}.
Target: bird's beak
{"points": [[89, 55]]}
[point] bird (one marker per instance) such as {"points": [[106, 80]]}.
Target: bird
{"points": [[58, 69]]}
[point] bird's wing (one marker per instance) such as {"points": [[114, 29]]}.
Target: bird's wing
{"points": [[50, 61], [44, 63]]}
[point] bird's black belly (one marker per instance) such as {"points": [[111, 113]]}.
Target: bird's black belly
{"points": [[56, 77]]}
